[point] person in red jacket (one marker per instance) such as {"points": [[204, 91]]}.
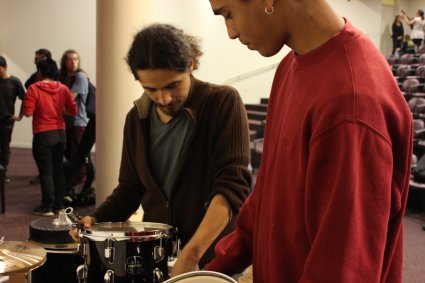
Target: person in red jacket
{"points": [[47, 101], [331, 193]]}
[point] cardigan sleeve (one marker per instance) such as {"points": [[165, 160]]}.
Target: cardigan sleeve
{"points": [[231, 153]]}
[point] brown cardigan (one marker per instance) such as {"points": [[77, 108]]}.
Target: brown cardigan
{"points": [[216, 162]]}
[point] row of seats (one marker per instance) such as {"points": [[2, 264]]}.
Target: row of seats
{"points": [[408, 59], [409, 71], [257, 121]]}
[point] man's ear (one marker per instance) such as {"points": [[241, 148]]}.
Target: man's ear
{"points": [[192, 66], [268, 4]]}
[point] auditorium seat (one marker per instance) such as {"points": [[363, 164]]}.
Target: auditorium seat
{"points": [[257, 113], [409, 59], [422, 59], [411, 87], [417, 105], [256, 107], [404, 70]]}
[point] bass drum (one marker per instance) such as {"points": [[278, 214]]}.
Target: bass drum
{"points": [[201, 276], [126, 252]]}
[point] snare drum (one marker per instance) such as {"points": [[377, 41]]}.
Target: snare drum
{"points": [[201, 276], [127, 252]]}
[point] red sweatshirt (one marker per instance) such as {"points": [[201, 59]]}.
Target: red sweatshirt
{"points": [[46, 102], [331, 192]]}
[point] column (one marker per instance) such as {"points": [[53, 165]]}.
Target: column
{"points": [[117, 23]]}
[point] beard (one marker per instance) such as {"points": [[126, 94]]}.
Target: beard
{"points": [[172, 109]]}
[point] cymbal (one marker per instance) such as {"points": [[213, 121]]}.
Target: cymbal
{"points": [[17, 257]]}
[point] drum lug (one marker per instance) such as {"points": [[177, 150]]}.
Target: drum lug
{"points": [[158, 277], [110, 250], [158, 253], [82, 248], [109, 276], [82, 272]]}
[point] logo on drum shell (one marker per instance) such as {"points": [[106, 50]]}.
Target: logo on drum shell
{"points": [[134, 265]]}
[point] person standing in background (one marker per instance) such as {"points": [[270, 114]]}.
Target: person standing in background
{"points": [[397, 34], [418, 25], [10, 89], [47, 101], [40, 54], [330, 196], [76, 79]]}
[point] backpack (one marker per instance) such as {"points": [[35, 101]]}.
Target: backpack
{"points": [[91, 101], [91, 98]]}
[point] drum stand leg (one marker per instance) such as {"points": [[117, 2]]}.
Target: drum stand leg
{"points": [[19, 278]]}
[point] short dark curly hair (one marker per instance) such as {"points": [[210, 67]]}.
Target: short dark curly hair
{"points": [[163, 46], [3, 61]]}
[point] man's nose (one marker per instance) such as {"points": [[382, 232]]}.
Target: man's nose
{"points": [[231, 31], [163, 97]]}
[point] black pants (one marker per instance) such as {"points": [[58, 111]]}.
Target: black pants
{"points": [[417, 42], [48, 149], [5, 138], [396, 44], [78, 160]]}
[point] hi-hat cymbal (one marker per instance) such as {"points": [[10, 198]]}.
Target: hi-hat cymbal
{"points": [[17, 257]]}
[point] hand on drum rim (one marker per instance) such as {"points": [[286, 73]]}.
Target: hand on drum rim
{"points": [[73, 232]]}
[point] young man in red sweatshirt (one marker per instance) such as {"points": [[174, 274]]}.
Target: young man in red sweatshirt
{"points": [[331, 192]]}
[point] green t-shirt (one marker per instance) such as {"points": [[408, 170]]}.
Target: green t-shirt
{"points": [[167, 147]]}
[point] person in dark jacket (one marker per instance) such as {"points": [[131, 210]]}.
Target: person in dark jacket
{"points": [[186, 148], [40, 54], [10, 89], [397, 33]]}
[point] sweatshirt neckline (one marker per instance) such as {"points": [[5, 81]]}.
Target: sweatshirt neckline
{"points": [[321, 53]]}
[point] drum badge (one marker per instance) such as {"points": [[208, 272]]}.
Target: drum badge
{"points": [[134, 265]]}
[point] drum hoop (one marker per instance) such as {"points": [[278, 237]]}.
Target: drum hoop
{"points": [[194, 274], [131, 235]]}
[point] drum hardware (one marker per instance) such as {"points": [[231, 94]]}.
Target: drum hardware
{"points": [[82, 248], [82, 272], [158, 277], [74, 217], [109, 276], [134, 265], [201, 276], [61, 220], [110, 250], [158, 252], [126, 252]]}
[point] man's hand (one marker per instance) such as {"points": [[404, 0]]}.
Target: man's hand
{"points": [[215, 220], [87, 222], [186, 262], [15, 118]]}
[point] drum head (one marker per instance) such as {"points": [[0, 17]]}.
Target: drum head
{"points": [[139, 231], [201, 276]]}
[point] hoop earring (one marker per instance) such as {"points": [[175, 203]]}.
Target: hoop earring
{"points": [[269, 12]]}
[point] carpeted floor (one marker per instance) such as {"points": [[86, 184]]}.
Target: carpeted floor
{"points": [[22, 197]]}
